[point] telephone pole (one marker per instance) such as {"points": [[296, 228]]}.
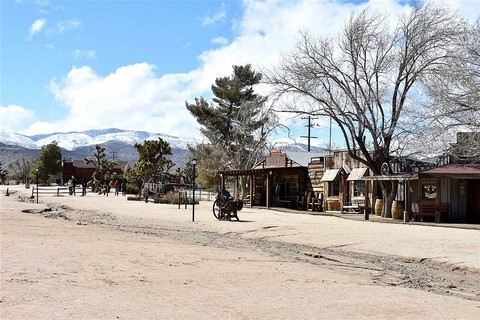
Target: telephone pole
{"points": [[309, 125]]}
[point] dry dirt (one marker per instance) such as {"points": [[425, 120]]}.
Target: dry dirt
{"points": [[99, 257]]}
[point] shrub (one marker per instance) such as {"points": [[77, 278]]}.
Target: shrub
{"points": [[132, 188], [173, 197]]}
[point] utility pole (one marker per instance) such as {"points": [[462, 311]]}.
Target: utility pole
{"points": [[330, 138], [113, 155], [309, 129]]}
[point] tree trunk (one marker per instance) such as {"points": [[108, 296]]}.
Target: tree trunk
{"points": [[389, 192]]}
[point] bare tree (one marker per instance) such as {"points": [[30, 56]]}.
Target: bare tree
{"points": [[456, 97], [367, 77]]}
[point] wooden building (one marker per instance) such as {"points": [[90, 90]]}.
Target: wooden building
{"points": [[281, 179], [439, 189], [80, 170]]}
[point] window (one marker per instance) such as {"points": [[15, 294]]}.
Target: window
{"points": [[291, 187], [334, 188], [359, 188], [258, 185]]}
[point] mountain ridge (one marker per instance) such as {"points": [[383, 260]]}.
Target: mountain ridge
{"points": [[74, 139], [118, 144]]}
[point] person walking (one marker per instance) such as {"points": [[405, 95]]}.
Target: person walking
{"points": [[74, 185], [124, 188], [116, 185], [70, 186], [84, 187]]}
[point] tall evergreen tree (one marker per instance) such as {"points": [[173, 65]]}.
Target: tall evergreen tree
{"points": [[236, 122]]}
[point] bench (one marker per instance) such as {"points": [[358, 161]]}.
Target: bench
{"points": [[428, 209], [355, 206], [257, 199]]}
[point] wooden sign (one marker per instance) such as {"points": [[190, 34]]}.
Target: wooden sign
{"points": [[276, 161]]}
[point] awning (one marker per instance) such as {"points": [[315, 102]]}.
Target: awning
{"points": [[456, 171], [357, 174], [330, 175], [392, 177]]}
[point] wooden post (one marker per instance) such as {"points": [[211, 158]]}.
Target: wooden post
{"points": [[268, 192], [438, 200], [252, 198], [366, 211]]}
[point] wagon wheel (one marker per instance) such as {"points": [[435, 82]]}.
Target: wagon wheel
{"points": [[217, 210]]}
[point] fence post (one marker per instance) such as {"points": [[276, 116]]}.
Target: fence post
{"points": [[58, 192], [179, 199], [186, 200]]}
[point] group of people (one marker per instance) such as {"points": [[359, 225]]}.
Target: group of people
{"points": [[72, 186], [105, 189], [117, 185]]}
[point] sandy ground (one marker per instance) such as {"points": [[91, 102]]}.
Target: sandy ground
{"points": [[99, 257]]}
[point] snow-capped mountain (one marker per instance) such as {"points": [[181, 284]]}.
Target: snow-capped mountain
{"points": [[73, 140], [118, 144], [15, 139]]}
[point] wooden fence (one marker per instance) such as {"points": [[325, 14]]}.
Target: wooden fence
{"points": [[53, 191]]}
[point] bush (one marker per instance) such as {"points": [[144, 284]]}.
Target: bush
{"points": [[132, 188], [173, 197]]}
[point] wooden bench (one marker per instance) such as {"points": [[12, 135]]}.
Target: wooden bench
{"points": [[428, 209], [257, 199], [355, 206]]}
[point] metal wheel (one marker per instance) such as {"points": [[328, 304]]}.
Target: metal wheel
{"points": [[216, 209]]}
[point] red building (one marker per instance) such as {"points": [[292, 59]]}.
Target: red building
{"points": [[80, 170]]}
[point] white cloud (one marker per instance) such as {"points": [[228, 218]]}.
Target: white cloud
{"points": [[132, 97], [470, 9], [82, 54], [220, 41], [36, 27], [211, 19], [64, 26], [14, 118]]}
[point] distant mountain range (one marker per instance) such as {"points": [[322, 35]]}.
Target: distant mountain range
{"points": [[118, 144]]}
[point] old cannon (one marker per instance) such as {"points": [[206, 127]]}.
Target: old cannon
{"points": [[226, 207]]}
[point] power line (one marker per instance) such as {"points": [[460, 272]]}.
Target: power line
{"points": [[309, 125]]}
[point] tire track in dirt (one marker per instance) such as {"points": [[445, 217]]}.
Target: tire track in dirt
{"points": [[420, 274]]}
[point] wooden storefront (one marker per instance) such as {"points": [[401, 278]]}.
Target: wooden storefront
{"points": [[280, 180]]}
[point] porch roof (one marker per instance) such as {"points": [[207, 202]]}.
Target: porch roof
{"points": [[330, 175], [456, 171], [393, 177], [357, 174]]}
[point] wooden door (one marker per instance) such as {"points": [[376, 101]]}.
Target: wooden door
{"points": [[473, 201]]}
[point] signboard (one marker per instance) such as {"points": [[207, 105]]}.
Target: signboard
{"points": [[276, 161]]}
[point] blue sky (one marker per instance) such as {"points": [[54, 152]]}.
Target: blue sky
{"points": [[79, 65]]}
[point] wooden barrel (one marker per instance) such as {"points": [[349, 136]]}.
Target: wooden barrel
{"points": [[398, 207], [378, 207], [333, 205]]}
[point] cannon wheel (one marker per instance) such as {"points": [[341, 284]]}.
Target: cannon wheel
{"points": [[216, 209]]}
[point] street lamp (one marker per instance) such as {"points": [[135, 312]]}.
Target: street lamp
{"points": [[36, 176], [194, 163]]}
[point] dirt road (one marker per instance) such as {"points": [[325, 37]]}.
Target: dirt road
{"points": [[99, 257]]}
